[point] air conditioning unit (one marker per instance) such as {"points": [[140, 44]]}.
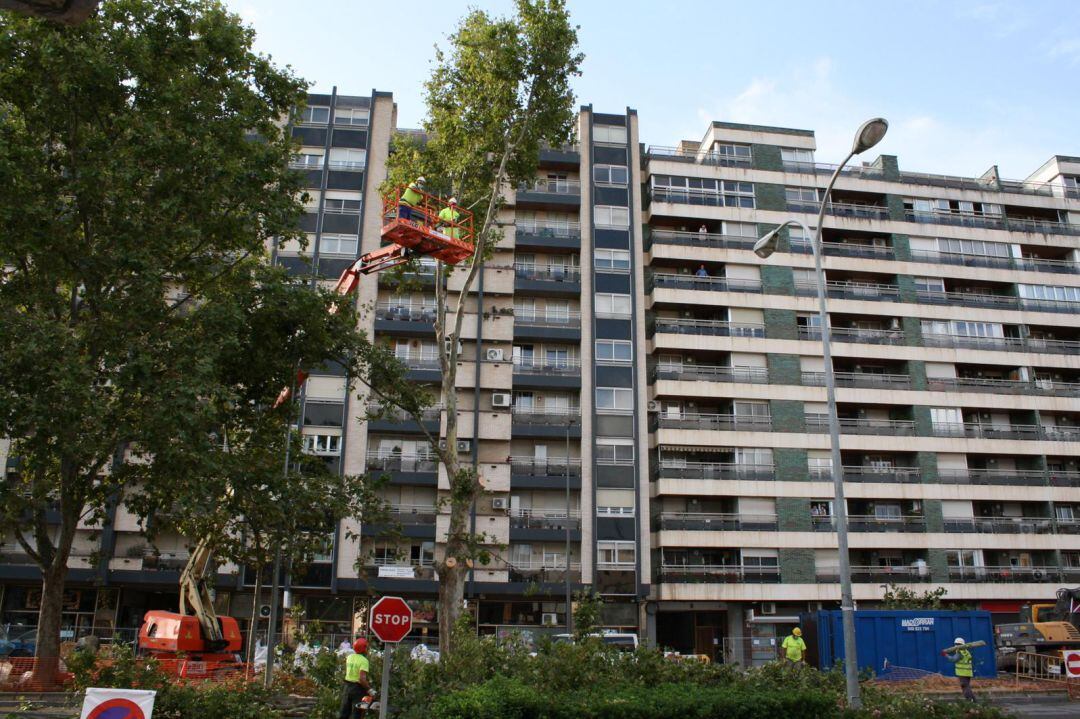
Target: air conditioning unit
{"points": [[500, 399], [498, 503], [549, 619], [495, 354], [768, 608], [654, 406], [264, 611], [464, 445]]}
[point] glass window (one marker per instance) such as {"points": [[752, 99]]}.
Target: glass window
{"points": [[347, 158], [357, 116], [315, 115], [613, 134], [929, 284], [607, 304], [615, 555], [615, 399], [801, 194], [614, 351], [614, 451], [791, 155], [611, 259], [610, 174], [611, 216], [324, 444], [338, 245], [341, 207]]}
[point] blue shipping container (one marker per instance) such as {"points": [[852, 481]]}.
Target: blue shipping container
{"points": [[885, 638]]}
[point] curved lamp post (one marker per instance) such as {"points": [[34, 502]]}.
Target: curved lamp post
{"points": [[869, 134]]}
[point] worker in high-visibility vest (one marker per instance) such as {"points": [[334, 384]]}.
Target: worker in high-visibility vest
{"points": [[356, 679], [793, 647], [448, 217], [411, 199], [960, 656]]}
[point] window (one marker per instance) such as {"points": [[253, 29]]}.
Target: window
{"points": [[338, 245], [612, 134], [557, 357], [1046, 292], [615, 399], [610, 305], [614, 451], [730, 154], [929, 284], [612, 259], [325, 444], [819, 466], [754, 456], [740, 229], [557, 311], [793, 155], [614, 351], [422, 554], [945, 417], [887, 512], [610, 175], [703, 191], [977, 329], [357, 116], [315, 115], [308, 159], [347, 158], [751, 412], [384, 555], [336, 206], [614, 502], [610, 216], [1072, 186], [615, 555], [801, 194], [979, 248]]}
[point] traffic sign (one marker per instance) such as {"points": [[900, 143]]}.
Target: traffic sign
{"points": [[117, 704], [1072, 663], [391, 619]]}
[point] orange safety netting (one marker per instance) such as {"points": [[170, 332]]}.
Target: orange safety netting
{"points": [[17, 673]]}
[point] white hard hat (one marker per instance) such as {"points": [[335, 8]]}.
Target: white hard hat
{"points": [[959, 640], [420, 180], [453, 200]]}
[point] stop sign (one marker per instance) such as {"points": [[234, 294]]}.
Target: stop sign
{"points": [[391, 619]]}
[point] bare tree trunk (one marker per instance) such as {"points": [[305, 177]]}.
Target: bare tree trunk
{"points": [[50, 615], [252, 633], [451, 597]]}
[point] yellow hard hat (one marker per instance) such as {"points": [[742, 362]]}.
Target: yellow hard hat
{"points": [[797, 632]]}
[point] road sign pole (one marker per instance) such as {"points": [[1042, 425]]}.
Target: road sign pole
{"points": [[384, 692]]}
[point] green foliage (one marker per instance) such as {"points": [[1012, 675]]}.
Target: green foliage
{"points": [[587, 605], [899, 597]]}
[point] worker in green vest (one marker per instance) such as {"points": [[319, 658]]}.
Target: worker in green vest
{"points": [[356, 679], [793, 647], [961, 659], [447, 217], [411, 199]]}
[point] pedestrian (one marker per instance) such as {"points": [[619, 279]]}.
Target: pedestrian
{"points": [[960, 657], [793, 647], [410, 199], [356, 679]]}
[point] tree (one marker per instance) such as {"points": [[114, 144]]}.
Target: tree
{"points": [[142, 178], [900, 597], [499, 94]]}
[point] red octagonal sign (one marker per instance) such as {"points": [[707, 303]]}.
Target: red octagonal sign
{"points": [[391, 619]]}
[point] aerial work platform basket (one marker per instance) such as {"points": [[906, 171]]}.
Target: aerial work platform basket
{"points": [[420, 230]]}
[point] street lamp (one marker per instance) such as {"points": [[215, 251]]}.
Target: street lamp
{"points": [[869, 134]]}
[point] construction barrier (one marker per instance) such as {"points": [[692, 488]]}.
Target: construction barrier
{"points": [[17, 674], [1040, 667]]}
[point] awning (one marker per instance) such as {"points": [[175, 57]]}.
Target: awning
{"points": [[683, 448]]}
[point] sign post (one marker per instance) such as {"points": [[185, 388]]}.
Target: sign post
{"points": [[391, 621]]}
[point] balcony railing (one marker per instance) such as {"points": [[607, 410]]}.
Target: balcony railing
{"points": [[548, 273], [700, 197], [668, 469], [1001, 525], [1004, 386], [853, 334], [702, 420], [701, 239], [872, 523], [545, 519], [720, 328], [1005, 574], [547, 366], [699, 521], [711, 373], [852, 291], [859, 379], [968, 299], [710, 284], [841, 209], [419, 361], [552, 187], [865, 573], [539, 571], [845, 249], [413, 513], [405, 313], [348, 165], [552, 467], [866, 473], [697, 156], [396, 414], [390, 462], [555, 417], [992, 222], [1022, 477], [977, 430], [549, 229], [853, 425], [546, 319], [718, 574]]}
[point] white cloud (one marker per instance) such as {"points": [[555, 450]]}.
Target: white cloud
{"points": [[1066, 49]]}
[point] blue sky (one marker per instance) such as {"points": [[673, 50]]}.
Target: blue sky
{"points": [[965, 83]]}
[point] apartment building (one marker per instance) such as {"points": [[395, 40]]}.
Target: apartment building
{"points": [[643, 396]]}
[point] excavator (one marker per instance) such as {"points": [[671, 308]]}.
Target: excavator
{"points": [[1043, 629], [196, 633]]}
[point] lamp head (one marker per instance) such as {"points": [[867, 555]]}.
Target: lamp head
{"points": [[869, 134], [764, 247]]}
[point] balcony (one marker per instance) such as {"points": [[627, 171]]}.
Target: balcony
{"points": [[841, 209], [872, 523], [1001, 525], [1006, 574], [1022, 477], [413, 514], [992, 222], [552, 467], [866, 380], [555, 417], [714, 470], [718, 574], [854, 334], [569, 366], [859, 425], [411, 463], [699, 522], [903, 574], [539, 572], [550, 279], [395, 312], [711, 373], [701, 239], [708, 284], [551, 519], [969, 299], [546, 235], [1003, 386], [557, 193], [717, 328], [977, 430], [548, 319], [868, 291], [394, 568], [722, 422], [845, 249], [869, 473], [697, 156]]}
